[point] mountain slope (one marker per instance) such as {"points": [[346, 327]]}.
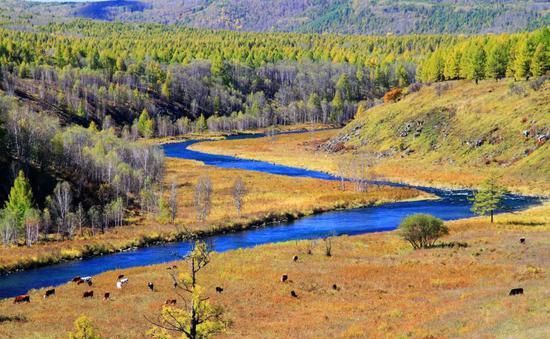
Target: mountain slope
{"points": [[316, 16], [458, 128]]}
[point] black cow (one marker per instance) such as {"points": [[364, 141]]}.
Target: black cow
{"points": [[88, 294], [522, 240], [151, 286], [295, 258], [219, 289], [293, 294], [284, 277], [49, 293], [107, 296], [516, 291]]}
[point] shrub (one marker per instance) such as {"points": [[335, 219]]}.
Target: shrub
{"points": [[83, 329], [422, 230], [392, 95]]}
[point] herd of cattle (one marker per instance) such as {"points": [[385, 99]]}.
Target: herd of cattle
{"points": [[122, 280], [120, 283]]}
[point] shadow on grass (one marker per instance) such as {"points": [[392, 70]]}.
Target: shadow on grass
{"points": [[451, 244], [524, 223]]}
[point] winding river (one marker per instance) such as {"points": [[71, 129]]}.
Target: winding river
{"points": [[453, 204]]}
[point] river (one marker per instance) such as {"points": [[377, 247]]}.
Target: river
{"points": [[453, 204]]}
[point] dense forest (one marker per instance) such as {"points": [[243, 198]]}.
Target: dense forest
{"points": [[318, 16], [96, 88]]}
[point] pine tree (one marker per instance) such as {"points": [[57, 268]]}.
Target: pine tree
{"points": [[20, 199]]}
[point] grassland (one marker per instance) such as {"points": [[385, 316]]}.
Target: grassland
{"points": [[385, 289], [466, 131], [270, 198]]}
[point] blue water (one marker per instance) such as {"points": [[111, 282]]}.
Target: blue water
{"points": [[452, 205]]}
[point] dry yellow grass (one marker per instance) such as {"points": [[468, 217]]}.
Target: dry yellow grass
{"points": [[270, 198], [386, 290]]}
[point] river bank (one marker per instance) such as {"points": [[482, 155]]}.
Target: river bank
{"points": [[271, 199], [383, 288], [306, 151]]}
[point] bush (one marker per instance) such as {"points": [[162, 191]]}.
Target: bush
{"points": [[393, 95], [422, 230]]}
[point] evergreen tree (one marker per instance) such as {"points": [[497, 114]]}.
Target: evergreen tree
{"points": [[489, 197], [20, 199]]}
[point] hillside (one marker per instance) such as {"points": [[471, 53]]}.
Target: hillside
{"points": [[447, 134], [319, 16]]}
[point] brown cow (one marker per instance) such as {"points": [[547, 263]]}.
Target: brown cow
{"points": [[49, 293], [22, 299], [106, 296], [284, 277], [120, 276], [170, 302], [88, 294], [76, 279], [80, 282]]}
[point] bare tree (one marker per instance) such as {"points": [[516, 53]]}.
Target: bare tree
{"points": [[80, 216], [62, 200], [173, 202], [32, 226], [203, 197], [238, 192], [94, 215]]}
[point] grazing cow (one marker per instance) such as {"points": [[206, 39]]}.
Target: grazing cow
{"points": [[120, 276], [49, 293], [219, 289], [22, 299], [516, 291], [124, 281], [170, 302], [284, 277], [118, 284], [175, 284], [86, 279], [88, 294], [89, 283], [106, 296], [335, 287], [76, 279], [293, 294], [80, 282], [151, 286], [295, 258], [522, 240]]}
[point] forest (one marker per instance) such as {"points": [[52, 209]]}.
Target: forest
{"points": [[97, 88]]}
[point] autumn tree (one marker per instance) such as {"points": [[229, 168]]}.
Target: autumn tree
{"points": [[173, 202], [145, 124], [489, 197], [197, 318], [84, 329], [422, 230]]}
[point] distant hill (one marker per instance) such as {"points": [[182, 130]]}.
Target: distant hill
{"points": [[314, 16]]}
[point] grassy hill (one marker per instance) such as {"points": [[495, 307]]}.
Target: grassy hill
{"points": [[493, 126], [451, 134], [319, 16]]}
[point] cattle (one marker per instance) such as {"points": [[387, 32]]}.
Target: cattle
{"points": [[76, 279], [174, 267], [516, 291], [335, 287], [170, 302], [219, 289], [284, 278], [22, 299], [121, 283], [151, 286], [106, 296], [80, 282], [49, 293], [522, 240], [86, 279], [295, 258], [89, 282], [88, 294], [175, 284], [120, 276], [293, 294]]}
